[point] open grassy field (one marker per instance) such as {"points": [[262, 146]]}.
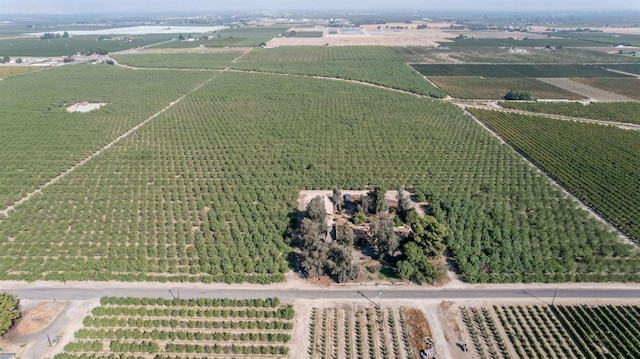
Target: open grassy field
{"points": [[165, 328], [373, 64], [560, 331], [205, 191], [6, 71], [495, 88], [515, 70], [605, 175], [212, 61], [40, 139], [626, 87], [73, 45], [606, 111]]}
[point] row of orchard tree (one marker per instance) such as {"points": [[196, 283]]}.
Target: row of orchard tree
{"points": [[413, 255]]}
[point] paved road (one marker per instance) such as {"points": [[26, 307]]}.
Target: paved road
{"points": [[45, 293]]}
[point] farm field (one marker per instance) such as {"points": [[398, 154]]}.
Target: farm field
{"points": [[392, 332], [470, 43], [39, 139], [515, 70], [605, 175], [488, 54], [374, 64], [183, 328], [494, 88], [628, 112], [72, 45], [557, 331], [204, 191], [212, 61], [248, 36], [627, 87]]}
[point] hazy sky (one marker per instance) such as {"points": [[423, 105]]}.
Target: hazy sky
{"points": [[120, 6]]}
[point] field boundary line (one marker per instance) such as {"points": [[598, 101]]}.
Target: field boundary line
{"points": [[621, 125], [584, 205], [333, 79], [62, 175]]}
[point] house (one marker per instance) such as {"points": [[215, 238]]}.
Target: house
{"points": [[348, 198]]}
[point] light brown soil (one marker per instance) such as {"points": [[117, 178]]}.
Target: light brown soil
{"points": [[39, 317], [419, 329], [591, 92]]}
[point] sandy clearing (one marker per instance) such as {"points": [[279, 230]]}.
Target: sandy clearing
{"points": [[85, 107], [595, 94], [39, 317], [301, 329]]}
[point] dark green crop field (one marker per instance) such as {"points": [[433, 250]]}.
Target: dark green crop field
{"points": [[605, 111], [373, 64], [515, 70], [73, 45], [600, 164]]}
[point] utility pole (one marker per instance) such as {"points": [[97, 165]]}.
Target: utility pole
{"points": [[49, 340], [554, 296], [173, 296]]}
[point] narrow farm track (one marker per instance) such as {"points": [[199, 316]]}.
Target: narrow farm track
{"points": [[64, 174], [490, 106]]}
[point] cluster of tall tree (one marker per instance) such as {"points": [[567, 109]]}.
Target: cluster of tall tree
{"points": [[423, 245], [325, 256], [8, 311]]}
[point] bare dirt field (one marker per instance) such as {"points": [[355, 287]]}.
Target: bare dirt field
{"points": [[370, 37], [39, 317]]}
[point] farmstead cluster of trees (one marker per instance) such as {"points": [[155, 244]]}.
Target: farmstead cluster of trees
{"points": [[412, 255]]}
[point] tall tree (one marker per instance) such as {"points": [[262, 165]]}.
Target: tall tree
{"points": [[380, 202], [335, 197], [344, 235], [316, 211], [339, 263], [384, 238]]}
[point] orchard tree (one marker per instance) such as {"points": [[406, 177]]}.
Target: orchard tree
{"points": [[8, 311]]}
